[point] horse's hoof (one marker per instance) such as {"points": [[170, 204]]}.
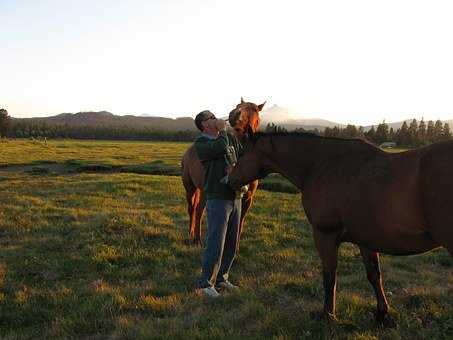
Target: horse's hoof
{"points": [[329, 317], [323, 316], [192, 241], [385, 320]]}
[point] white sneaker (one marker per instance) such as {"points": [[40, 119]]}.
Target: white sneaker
{"points": [[210, 292], [227, 285]]}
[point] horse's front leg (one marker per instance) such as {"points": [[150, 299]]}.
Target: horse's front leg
{"points": [[247, 201], [327, 247], [373, 271]]}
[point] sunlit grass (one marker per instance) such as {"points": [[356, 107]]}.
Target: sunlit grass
{"points": [[26, 151], [74, 156], [90, 255]]}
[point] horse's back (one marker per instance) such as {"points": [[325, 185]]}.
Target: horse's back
{"points": [[192, 169]]}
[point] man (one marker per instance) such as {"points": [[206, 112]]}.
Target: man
{"points": [[218, 152]]}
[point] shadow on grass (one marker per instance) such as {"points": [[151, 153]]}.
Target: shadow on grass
{"points": [[274, 182]]}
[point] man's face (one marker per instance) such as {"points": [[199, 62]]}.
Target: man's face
{"points": [[209, 124]]}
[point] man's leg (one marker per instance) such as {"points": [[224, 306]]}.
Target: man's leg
{"points": [[231, 242], [218, 212]]}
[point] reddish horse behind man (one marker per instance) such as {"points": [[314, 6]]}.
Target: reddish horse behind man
{"points": [[244, 119]]}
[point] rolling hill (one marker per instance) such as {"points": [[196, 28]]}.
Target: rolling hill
{"points": [[104, 118]]}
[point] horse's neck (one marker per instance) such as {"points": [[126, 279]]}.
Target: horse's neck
{"points": [[295, 157]]}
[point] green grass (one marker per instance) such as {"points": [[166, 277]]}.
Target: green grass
{"points": [[104, 255], [69, 156], [115, 153]]}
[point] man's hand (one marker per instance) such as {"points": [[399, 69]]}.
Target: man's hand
{"points": [[220, 124], [229, 169]]}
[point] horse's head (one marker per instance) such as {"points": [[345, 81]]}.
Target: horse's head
{"points": [[245, 118], [254, 164]]}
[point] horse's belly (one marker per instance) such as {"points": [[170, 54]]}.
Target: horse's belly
{"points": [[392, 224], [399, 241]]}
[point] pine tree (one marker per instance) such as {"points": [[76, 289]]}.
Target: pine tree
{"points": [[430, 132], [438, 131], [270, 127], [336, 131], [391, 136], [382, 132], [350, 131], [421, 133], [5, 122], [446, 134], [361, 132], [402, 137], [413, 131]]}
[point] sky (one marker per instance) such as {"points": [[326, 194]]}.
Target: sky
{"points": [[357, 62]]}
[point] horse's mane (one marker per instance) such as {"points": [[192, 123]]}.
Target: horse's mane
{"points": [[256, 136]]}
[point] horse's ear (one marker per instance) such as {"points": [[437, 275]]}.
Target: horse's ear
{"points": [[260, 107], [242, 100]]}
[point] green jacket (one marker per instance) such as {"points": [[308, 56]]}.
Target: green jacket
{"points": [[211, 153]]}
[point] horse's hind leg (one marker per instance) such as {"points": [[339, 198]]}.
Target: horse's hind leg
{"points": [[199, 211], [327, 246], [193, 198], [373, 271]]}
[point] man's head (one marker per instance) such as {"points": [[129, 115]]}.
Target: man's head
{"points": [[202, 120]]}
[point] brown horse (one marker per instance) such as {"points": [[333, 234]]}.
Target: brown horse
{"points": [[397, 203], [245, 120]]}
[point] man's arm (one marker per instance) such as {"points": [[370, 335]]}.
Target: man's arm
{"points": [[212, 149], [239, 148]]}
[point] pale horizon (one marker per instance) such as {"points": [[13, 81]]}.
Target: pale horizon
{"points": [[357, 62]]}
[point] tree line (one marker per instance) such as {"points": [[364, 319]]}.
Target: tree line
{"points": [[414, 134], [35, 129]]}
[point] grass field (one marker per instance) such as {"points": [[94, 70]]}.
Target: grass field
{"points": [[75, 156], [93, 253]]}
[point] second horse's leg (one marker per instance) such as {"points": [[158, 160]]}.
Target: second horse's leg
{"points": [[327, 246], [373, 272], [198, 217]]}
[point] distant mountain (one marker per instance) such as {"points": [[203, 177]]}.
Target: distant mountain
{"points": [[275, 114], [312, 122], [284, 117], [104, 118]]}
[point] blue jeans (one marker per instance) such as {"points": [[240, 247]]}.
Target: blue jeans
{"points": [[222, 238]]}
